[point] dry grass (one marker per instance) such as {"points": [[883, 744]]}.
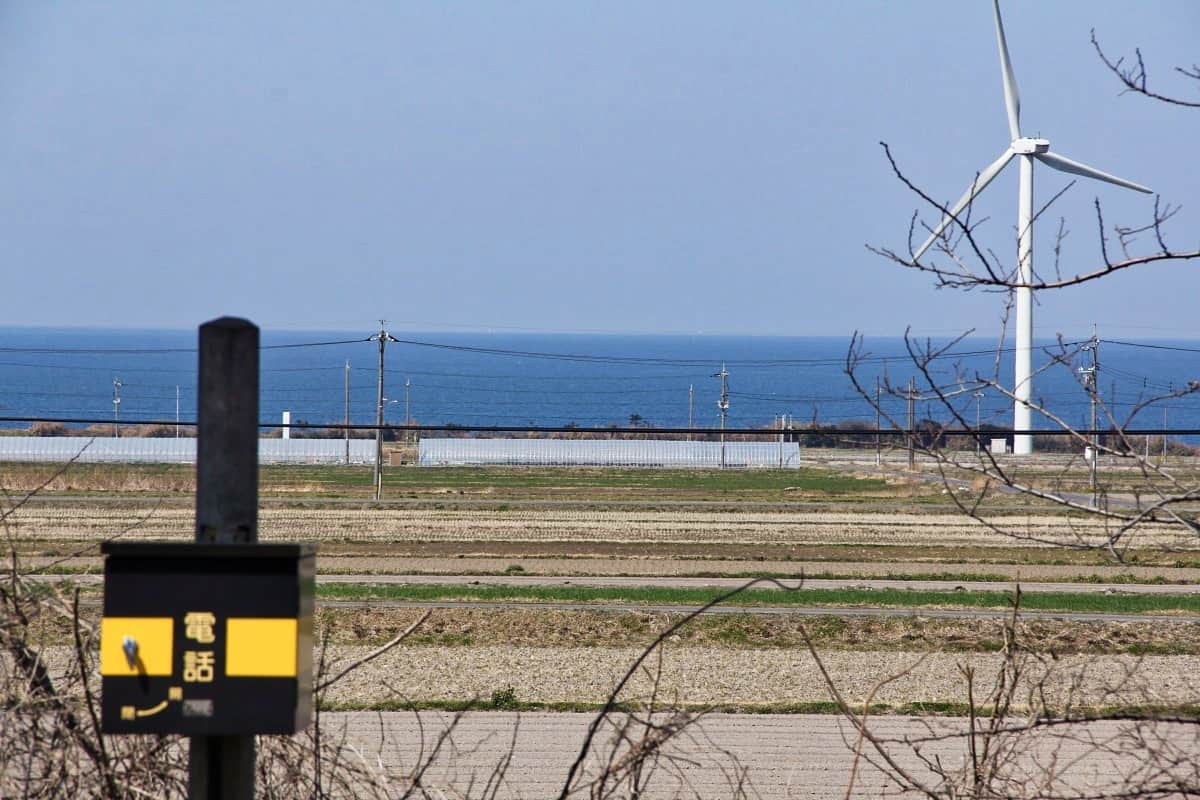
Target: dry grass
{"points": [[100, 478]]}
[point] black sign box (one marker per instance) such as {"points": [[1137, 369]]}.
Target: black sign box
{"points": [[207, 640]]}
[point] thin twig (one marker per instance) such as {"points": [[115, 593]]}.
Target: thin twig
{"points": [[374, 654]]}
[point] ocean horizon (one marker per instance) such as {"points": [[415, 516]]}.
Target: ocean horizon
{"points": [[507, 378]]}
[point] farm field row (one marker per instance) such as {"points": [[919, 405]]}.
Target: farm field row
{"points": [[769, 594], [570, 659], [385, 525], [547, 657], [762, 679], [832, 476]]}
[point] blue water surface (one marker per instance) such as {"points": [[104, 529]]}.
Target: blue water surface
{"points": [[558, 379]]}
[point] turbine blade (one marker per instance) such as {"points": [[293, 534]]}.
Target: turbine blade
{"points": [[1063, 164], [1012, 100], [977, 186]]}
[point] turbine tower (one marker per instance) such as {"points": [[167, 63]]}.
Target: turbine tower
{"points": [[1026, 150]]}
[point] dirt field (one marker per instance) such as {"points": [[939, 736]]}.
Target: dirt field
{"points": [[570, 657], [467, 527], [765, 678]]}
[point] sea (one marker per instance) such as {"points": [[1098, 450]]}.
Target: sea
{"points": [[532, 380]]}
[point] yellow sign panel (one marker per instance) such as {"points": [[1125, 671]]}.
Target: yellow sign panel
{"points": [[147, 642], [260, 647]]}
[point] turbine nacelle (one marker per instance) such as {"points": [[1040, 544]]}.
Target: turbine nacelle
{"points": [[1026, 146]]}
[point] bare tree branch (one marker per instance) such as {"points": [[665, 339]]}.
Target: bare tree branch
{"points": [[374, 654], [1133, 75]]}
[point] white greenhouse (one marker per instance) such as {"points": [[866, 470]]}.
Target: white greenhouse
{"points": [[131, 450], [606, 453]]}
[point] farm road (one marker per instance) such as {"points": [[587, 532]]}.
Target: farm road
{"points": [[783, 756], [733, 583]]}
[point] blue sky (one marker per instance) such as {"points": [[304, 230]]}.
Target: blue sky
{"points": [[669, 167]]}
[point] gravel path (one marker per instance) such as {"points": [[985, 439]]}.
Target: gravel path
{"points": [[779, 757]]}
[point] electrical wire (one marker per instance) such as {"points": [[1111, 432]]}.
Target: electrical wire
{"points": [[1147, 346], [838, 361], [93, 351], [829, 428], [663, 361]]}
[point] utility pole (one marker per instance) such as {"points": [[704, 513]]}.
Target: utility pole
{"points": [[176, 411], [723, 405], [1164, 436], [978, 438], [347, 431], [383, 337], [407, 408], [1146, 446], [117, 407], [878, 452], [691, 400], [1090, 383], [912, 453]]}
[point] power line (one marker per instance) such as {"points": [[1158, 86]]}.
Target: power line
{"points": [[689, 362], [313, 344], [763, 430], [84, 367], [512, 353], [1147, 346], [527, 377], [98, 351], [94, 351]]}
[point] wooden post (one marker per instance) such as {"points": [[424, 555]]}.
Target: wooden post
{"points": [[226, 511]]}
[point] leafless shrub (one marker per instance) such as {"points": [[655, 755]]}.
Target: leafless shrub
{"points": [[1159, 495], [51, 744], [49, 429], [50, 740], [1031, 731], [643, 739], [958, 260], [1028, 733]]}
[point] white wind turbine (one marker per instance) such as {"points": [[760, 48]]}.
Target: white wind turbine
{"points": [[1026, 149]]}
